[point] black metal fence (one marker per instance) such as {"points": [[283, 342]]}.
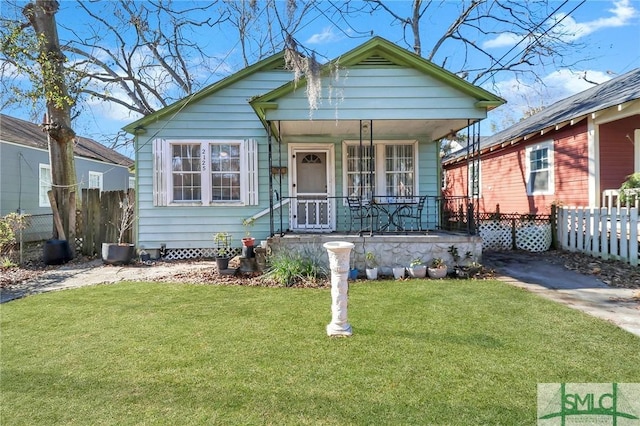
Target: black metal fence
{"points": [[377, 215]]}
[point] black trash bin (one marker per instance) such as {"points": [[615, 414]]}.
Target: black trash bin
{"points": [[56, 252]]}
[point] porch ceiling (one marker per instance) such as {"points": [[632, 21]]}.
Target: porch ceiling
{"points": [[433, 129]]}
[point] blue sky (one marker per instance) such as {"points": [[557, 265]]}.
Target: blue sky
{"points": [[609, 30]]}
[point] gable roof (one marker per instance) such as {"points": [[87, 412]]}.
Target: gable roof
{"points": [[272, 62], [29, 134], [617, 91], [379, 50], [373, 48]]}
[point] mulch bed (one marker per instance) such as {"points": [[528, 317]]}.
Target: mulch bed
{"points": [[613, 273]]}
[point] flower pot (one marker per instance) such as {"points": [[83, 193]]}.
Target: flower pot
{"points": [[248, 252], [398, 272], [353, 274], [222, 263], [419, 271], [117, 254], [248, 241], [440, 272], [372, 273]]}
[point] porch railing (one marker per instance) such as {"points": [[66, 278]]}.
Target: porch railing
{"points": [[379, 215]]}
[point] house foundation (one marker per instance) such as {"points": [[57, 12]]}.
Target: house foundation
{"points": [[389, 250]]}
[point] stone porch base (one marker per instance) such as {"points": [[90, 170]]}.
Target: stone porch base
{"points": [[390, 250]]}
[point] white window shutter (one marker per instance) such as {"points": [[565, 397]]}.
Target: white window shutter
{"points": [[160, 177], [252, 171]]}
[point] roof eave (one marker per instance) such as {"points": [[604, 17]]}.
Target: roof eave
{"points": [[138, 127]]}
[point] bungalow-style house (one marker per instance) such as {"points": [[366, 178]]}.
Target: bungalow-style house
{"points": [[569, 153], [25, 173], [249, 150]]}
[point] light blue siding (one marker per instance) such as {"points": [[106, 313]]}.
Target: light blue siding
{"points": [[382, 93], [226, 115]]}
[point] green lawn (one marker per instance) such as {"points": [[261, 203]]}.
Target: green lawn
{"points": [[423, 352]]}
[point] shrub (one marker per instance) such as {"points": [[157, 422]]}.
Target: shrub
{"points": [[288, 269], [10, 225], [628, 198]]}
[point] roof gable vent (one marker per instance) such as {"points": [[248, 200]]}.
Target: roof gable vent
{"points": [[376, 61]]}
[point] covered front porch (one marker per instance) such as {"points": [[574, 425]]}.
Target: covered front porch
{"points": [[366, 162], [365, 166]]}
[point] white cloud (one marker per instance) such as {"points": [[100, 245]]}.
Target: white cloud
{"points": [[503, 40], [522, 96], [566, 83], [622, 13], [327, 35]]}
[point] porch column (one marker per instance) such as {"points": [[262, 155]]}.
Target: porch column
{"points": [[339, 253]]}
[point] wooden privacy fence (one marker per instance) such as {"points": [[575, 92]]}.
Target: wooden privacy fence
{"points": [[601, 232], [98, 219]]}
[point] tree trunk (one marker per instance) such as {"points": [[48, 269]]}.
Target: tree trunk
{"points": [[415, 28], [41, 15]]}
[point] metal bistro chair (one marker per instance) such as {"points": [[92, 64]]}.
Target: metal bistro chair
{"points": [[413, 214], [363, 215]]}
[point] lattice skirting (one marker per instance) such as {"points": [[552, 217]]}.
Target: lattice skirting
{"points": [[196, 253], [535, 238], [495, 236], [529, 237]]}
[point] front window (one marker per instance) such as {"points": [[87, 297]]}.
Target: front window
{"points": [[225, 172], [399, 170], [386, 169], [360, 171], [201, 173], [45, 185], [186, 172], [540, 169]]}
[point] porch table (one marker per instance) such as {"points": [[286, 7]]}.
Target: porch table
{"points": [[390, 207]]}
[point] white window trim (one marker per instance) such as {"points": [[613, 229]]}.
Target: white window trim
{"points": [[41, 196], [163, 179], [100, 177], [379, 145], [529, 149], [470, 182]]}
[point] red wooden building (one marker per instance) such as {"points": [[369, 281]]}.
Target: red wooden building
{"points": [[569, 153]]}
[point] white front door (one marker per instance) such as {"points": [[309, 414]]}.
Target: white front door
{"points": [[311, 208]]}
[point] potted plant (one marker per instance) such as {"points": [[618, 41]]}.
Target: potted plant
{"points": [[398, 271], [121, 253], [437, 268], [371, 264], [417, 269], [248, 240], [222, 250]]}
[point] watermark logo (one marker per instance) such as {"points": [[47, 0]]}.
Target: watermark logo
{"points": [[567, 404]]}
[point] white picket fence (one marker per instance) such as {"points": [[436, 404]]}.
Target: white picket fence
{"points": [[608, 233]]}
